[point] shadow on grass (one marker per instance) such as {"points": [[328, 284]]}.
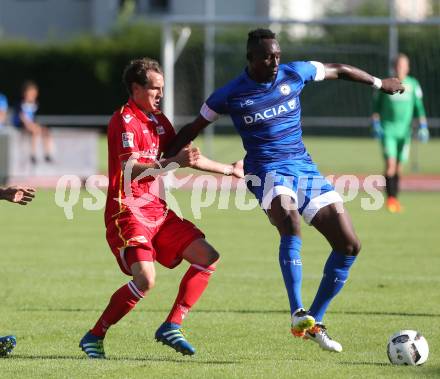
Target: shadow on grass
{"points": [[119, 359], [434, 371], [425, 370], [382, 313], [243, 311], [377, 364]]}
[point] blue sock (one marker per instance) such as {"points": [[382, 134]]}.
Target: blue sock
{"points": [[335, 275], [291, 267]]}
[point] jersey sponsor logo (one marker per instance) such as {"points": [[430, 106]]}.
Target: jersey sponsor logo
{"points": [[246, 103], [127, 118], [285, 89], [150, 153], [127, 139], [270, 112], [160, 129]]}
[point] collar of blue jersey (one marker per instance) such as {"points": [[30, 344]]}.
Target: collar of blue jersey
{"points": [[253, 82]]}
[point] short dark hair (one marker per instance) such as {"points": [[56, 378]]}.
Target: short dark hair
{"points": [[255, 37], [137, 72]]}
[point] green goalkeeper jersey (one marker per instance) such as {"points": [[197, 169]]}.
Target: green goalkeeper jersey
{"points": [[397, 111]]}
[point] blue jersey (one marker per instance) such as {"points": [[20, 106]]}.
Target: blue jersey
{"points": [[28, 110], [266, 115], [3, 103], [3, 107]]}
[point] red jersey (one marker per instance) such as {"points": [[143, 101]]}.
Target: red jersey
{"points": [[131, 132]]}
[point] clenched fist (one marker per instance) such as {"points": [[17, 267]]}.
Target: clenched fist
{"points": [[392, 86]]}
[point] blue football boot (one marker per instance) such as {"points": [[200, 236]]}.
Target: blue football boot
{"points": [[171, 334], [93, 346], [7, 344]]}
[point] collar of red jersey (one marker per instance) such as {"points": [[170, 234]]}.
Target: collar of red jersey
{"points": [[139, 113]]}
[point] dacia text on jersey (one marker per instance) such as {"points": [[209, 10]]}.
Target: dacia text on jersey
{"points": [[269, 113]]}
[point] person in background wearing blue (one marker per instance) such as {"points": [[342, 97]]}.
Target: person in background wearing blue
{"points": [[3, 110], [24, 119]]}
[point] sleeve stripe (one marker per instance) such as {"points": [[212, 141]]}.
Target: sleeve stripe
{"points": [[208, 114], [136, 154], [320, 71]]}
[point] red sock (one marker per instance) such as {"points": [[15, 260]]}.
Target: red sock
{"points": [[122, 302], [191, 288]]}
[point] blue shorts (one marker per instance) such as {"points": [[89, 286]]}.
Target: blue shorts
{"points": [[299, 179]]}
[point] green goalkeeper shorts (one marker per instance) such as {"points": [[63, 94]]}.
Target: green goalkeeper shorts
{"points": [[396, 148]]}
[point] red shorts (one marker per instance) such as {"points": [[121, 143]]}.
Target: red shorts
{"points": [[162, 239]]}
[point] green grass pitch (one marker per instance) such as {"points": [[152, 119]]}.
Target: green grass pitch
{"points": [[57, 275]]}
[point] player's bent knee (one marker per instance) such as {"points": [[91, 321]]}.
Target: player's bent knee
{"points": [[289, 223], [144, 281], [214, 256], [200, 252], [211, 255], [352, 247]]}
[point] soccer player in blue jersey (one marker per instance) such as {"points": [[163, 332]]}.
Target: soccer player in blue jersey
{"points": [[263, 102]]}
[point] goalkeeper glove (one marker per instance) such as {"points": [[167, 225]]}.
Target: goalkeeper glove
{"points": [[423, 133], [377, 129]]}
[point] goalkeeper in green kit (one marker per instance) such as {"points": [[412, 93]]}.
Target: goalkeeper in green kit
{"points": [[392, 121]]}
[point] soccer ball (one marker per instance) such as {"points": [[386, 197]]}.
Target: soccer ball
{"points": [[407, 347]]}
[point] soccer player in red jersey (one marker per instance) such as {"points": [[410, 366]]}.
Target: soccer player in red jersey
{"points": [[140, 227], [22, 196]]}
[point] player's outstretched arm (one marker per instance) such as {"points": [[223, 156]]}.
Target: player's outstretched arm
{"points": [[17, 195], [390, 86], [185, 135], [205, 164]]}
